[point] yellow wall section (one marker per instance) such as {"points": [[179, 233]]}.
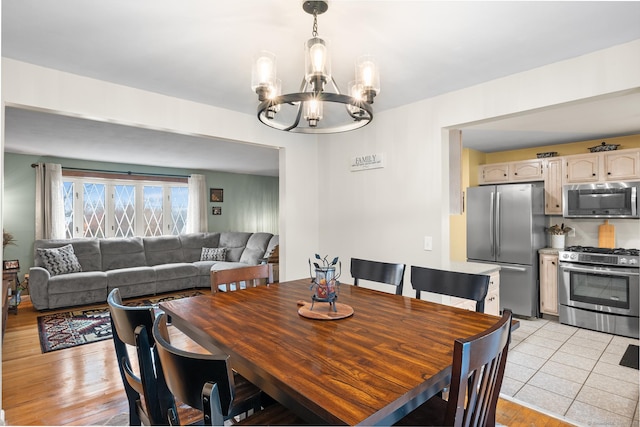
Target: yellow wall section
{"points": [[472, 158], [458, 223], [581, 147]]}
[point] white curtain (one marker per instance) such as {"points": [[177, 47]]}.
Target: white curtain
{"points": [[197, 209], [49, 202]]}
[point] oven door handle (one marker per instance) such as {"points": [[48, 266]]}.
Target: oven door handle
{"points": [[571, 267]]}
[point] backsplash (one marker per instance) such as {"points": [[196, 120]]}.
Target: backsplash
{"points": [[627, 231]]}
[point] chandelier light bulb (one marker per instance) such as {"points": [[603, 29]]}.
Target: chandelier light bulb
{"points": [[317, 63], [318, 53], [274, 92], [367, 73], [313, 112], [263, 76], [367, 76], [355, 91]]}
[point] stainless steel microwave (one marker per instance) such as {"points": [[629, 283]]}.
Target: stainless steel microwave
{"points": [[601, 200]]}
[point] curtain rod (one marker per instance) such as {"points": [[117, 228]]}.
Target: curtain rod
{"points": [[33, 165]]}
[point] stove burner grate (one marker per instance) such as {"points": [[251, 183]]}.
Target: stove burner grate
{"points": [[607, 251]]}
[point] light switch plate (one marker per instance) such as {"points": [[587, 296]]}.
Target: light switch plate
{"points": [[428, 243]]}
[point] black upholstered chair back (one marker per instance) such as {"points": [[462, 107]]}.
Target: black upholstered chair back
{"points": [[196, 379], [132, 326], [452, 283], [375, 271], [476, 378]]}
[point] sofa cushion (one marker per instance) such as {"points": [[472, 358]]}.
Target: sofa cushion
{"points": [[213, 254], [175, 271], [163, 250], [235, 242], [87, 251], [131, 276], [193, 243], [77, 282], [122, 253], [227, 265], [256, 248], [60, 260]]}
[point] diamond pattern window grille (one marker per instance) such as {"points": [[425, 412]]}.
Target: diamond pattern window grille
{"points": [[94, 210], [152, 213], [67, 197], [179, 201], [98, 208], [124, 197]]}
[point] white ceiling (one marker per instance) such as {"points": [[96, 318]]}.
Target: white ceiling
{"points": [[201, 50]]}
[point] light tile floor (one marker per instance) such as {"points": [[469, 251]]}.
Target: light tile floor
{"points": [[573, 373]]}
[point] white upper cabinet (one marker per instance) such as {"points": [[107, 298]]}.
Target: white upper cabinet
{"points": [[601, 167]]}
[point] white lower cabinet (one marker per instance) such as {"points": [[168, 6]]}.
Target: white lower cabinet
{"points": [[549, 283]]}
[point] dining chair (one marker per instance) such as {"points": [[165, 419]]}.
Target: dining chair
{"points": [[452, 283], [476, 378], [251, 276], [375, 271], [206, 382], [147, 393]]}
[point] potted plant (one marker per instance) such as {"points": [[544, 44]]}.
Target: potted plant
{"points": [[7, 239], [558, 234]]}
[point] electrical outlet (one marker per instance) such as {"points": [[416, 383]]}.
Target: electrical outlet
{"points": [[428, 243]]}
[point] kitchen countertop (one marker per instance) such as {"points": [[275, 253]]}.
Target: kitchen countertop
{"points": [[549, 251], [470, 267]]}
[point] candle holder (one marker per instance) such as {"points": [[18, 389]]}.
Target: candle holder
{"points": [[325, 282]]}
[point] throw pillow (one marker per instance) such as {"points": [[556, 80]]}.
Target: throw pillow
{"points": [[213, 254], [60, 260]]}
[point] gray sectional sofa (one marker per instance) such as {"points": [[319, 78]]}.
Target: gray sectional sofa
{"points": [[138, 266]]}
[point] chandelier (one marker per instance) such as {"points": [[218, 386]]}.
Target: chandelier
{"points": [[318, 106]]}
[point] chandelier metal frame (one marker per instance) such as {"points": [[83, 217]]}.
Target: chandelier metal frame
{"points": [[313, 89]]}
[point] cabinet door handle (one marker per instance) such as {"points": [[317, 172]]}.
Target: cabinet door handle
{"points": [[593, 174]]}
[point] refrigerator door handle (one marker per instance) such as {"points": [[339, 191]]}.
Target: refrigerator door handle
{"points": [[491, 219], [508, 267], [497, 242]]}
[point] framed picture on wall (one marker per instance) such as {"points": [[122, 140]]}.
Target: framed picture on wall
{"points": [[216, 194], [11, 264], [216, 210]]}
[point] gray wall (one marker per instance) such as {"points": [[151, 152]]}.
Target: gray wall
{"points": [[250, 201]]}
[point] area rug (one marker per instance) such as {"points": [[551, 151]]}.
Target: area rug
{"points": [[630, 357], [78, 327]]}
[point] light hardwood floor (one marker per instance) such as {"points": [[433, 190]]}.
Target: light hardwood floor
{"points": [[82, 385]]}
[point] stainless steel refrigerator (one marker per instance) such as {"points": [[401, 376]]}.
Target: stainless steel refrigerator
{"points": [[505, 226]]}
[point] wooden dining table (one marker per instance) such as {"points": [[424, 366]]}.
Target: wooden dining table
{"points": [[370, 368]]}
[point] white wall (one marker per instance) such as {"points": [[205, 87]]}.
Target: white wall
{"points": [[380, 214], [28, 86], [384, 214]]}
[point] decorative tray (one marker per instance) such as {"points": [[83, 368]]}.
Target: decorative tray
{"points": [[547, 154], [324, 311], [604, 147]]}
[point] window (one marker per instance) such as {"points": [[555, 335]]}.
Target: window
{"points": [[105, 207]]}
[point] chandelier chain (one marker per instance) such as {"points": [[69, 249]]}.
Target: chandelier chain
{"points": [[314, 32]]}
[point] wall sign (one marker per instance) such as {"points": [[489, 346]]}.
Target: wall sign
{"points": [[367, 161]]}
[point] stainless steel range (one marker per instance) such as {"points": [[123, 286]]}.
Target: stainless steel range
{"points": [[598, 289]]}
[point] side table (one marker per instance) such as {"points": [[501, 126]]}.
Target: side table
{"points": [[5, 304], [11, 277]]}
